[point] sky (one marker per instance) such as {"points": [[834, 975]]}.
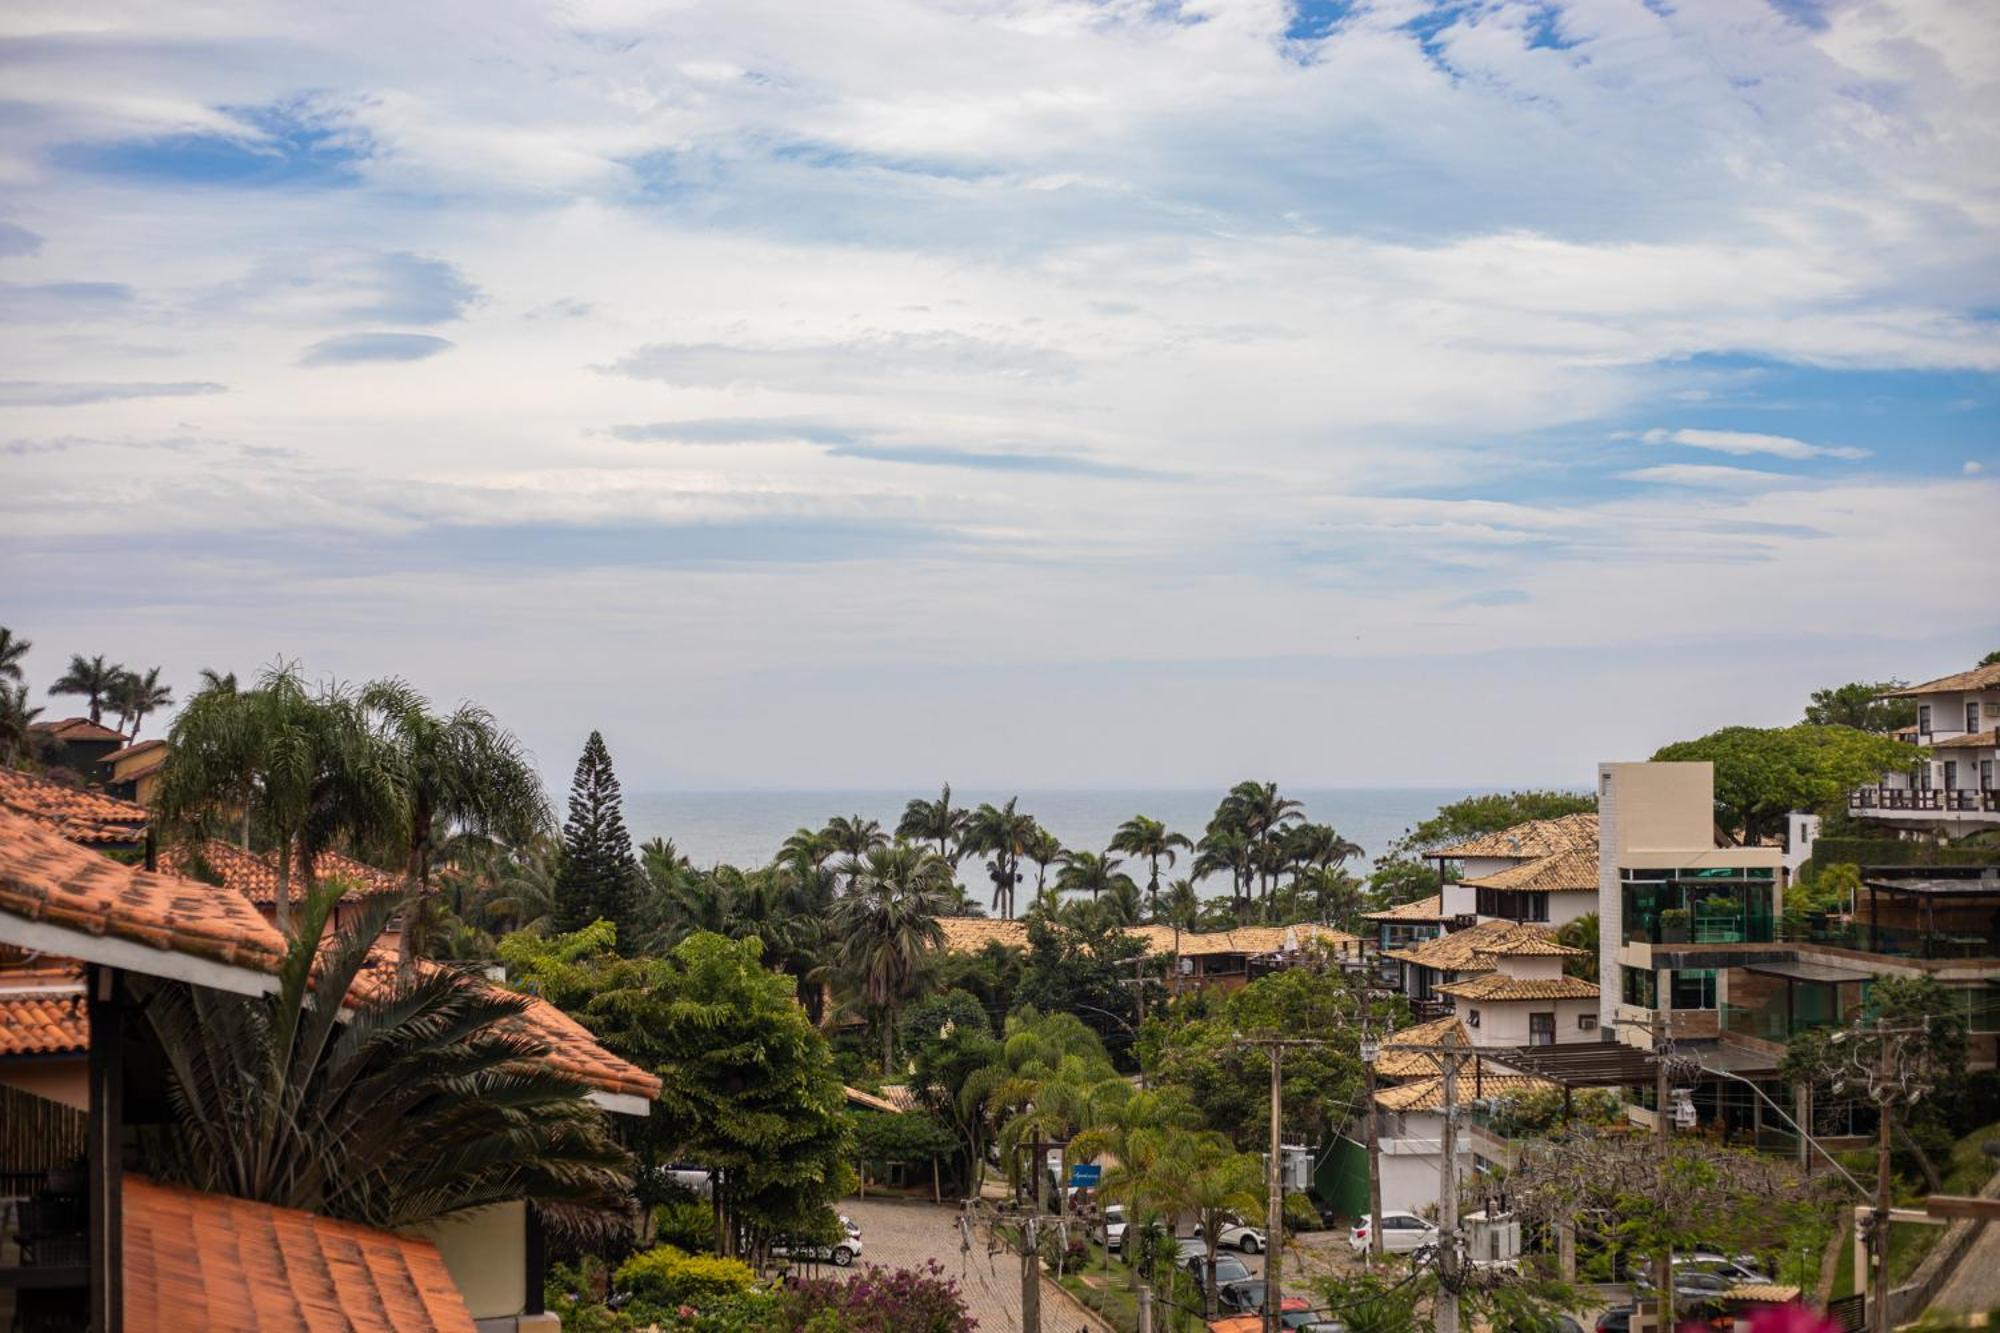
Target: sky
{"points": [[1050, 392]]}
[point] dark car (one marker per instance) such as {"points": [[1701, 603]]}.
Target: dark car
{"points": [[1228, 1270], [1616, 1321]]}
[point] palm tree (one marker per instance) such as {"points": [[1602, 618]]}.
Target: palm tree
{"points": [[935, 820], [1226, 847], [92, 677], [1045, 850], [308, 762], [1213, 1181], [1140, 836], [888, 925], [1133, 1134], [855, 837], [1318, 845], [461, 772], [810, 844], [138, 695], [12, 650], [1089, 872], [17, 743], [388, 1102], [521, 889], [223, 681], [1262, 814], [1002, 833]]}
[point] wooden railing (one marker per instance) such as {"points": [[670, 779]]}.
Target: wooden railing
{"points": [[1963, 801]]}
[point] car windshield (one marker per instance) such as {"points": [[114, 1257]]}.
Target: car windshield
{"points": [[1230, 1270]]}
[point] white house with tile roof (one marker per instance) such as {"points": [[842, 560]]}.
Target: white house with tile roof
{"points": [[1957, 789], [1542, 871]]}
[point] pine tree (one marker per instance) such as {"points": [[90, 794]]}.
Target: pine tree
{"points": [[599, 879]]}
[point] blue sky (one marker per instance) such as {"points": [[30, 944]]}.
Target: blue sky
{"points": [[1033, 391]]}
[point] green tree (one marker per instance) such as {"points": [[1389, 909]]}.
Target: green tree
{"points": [[12, 650], [390, 1103], [599, 879], [1003, 834], [1214, 1183], [1580, 933], [1137, 1133], [749, 1090], [136, 697], [887, 926], [462, 772], [854, 837], [1991, 659], [1489, 813], [92, 677], [1861, 705], [1763, 773], [936, 821], [17, 742], [1404, 879], [955, 1068], [1088, 872], [1045, 850], [1081, 969], [1149, 838], [305, 762]]}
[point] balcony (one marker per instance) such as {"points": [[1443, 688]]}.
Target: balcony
{"points": [[1925, 800]]}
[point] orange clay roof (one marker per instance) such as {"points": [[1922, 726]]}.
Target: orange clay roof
{"points": [[1427, 1094], [256, 876], [1497, 986], [45, 1021], [1474, 948], [1396, 1062], [196, 1260], [970, 934], [46, 878], [1979, 678], [1977, 740], [1423, 909], [1524, 842], [136, 747], [76, 729], [80, 816], [1562, 872]]}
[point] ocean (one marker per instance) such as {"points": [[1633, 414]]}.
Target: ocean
{"points": [[745, 828]]}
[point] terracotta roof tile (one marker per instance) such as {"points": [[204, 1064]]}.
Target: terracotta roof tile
{"points": [[1979, 678], [76, 729], [80, 816], [45, 878], [1395, 1061], [1427, 1094], [1423, 909], [1496, 986], [1474, 948], [43, 1022], [1561, 872], [1977, 740], [970, 934], [197, 1260], [1524, 842], [863, 1098], [255, 875], [137, 747]]}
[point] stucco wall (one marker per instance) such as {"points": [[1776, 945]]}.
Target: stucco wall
{"points": [[485, 1251]]}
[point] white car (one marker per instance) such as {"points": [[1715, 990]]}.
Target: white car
{"points": [[840, 1254], [1237, 1234], [1114, 1226], [1401, 1233]]}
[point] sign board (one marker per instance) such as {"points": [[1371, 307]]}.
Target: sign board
{"points": [[1084, 1176]]}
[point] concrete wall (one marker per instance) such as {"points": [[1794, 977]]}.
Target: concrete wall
{"points": [[63, 1079], [486, 1253], [1505, 1022]]}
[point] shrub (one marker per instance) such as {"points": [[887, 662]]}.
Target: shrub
{"points": [[668, 1276], [688, 1224], [878, 1300]]}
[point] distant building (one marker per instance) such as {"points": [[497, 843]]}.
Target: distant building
{"points": [[1957, 790], [133, 773], [1218, 959], [76, 743]]}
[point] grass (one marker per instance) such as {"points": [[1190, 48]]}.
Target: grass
{"points": [[1968, 1169]]}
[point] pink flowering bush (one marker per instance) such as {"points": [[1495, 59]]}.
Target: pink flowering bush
{"points": [[880, 1300]]}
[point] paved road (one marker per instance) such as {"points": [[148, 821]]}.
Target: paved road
{"points": [[1975, 1287]]}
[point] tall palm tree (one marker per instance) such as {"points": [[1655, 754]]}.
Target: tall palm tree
{"points": [[386, 1102], [1133, 1134], [459, 772], [12, 650], [1226, 847], [1318, 845], [1045, 850], [887, 927], [92, 677], [308, 762], [937, 821], [17, 743], [521, 892], [1213, 1181], [854, 837], [1001, 832], [138, 695], [1262, 814], [1141, 836], [812, 844]]}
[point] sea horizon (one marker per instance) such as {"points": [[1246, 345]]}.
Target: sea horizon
{"points": [[745, 827]]}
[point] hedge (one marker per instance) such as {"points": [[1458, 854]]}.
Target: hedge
{"points": [[1869, 853]]}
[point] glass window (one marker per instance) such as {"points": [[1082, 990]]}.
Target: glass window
{"points": [[1972, 715], [1923, 719], [1694, 988], [1641, 987], [1986, 775], [1951, 775]]}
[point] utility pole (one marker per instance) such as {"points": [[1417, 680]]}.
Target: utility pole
{"points": [[1899, 1070], [1447, 1297], [1145, 1308], [1371, 1050], [1031, 1275], [1663, 1262], [1274, 1209]]}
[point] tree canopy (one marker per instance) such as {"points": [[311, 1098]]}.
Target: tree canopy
{"points": [[1763, 773], [599, 878], [1860, 705], [1489, 813]]}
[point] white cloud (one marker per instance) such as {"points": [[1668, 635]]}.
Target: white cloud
{"points": [[1973, 467], [1748, 442], [1702, 474]]}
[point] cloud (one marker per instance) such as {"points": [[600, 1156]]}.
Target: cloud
{"points": [[349, 349], [1746, 442], [17, 240], [44, 393], [1699, 474], [1973, 467], [869, 358], [840, 442], [61, 302]]}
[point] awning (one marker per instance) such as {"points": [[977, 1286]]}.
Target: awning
{"points": [[1582, 1064], [1817, 972]]}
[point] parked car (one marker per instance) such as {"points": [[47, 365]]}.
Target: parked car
{"points": [[1248, 1297], [1113, 1222], [850, 1226], [840, 1254], [1228, 1269], [1690, 1284], [1736, 1270], [1617, 1320], [1239, 1235], [1401, 1233]]}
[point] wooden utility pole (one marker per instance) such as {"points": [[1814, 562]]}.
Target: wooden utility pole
{"points": [[1274, 1208], [1447, 1297], [1879, 1310], [1663, 1262], [1031, 1275], [1370, 1050]]}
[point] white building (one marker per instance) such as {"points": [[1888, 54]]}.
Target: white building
{"points": [[1543, 871], [1957, 790]]}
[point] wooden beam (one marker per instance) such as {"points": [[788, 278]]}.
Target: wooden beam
{"points": [[1958, 1205]]}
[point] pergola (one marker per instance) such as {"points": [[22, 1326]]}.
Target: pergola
{"points": [[1582, 1064], [1953, 917]]}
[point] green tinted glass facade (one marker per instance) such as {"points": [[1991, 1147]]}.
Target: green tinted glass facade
{"points": [[1719, 906]]}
